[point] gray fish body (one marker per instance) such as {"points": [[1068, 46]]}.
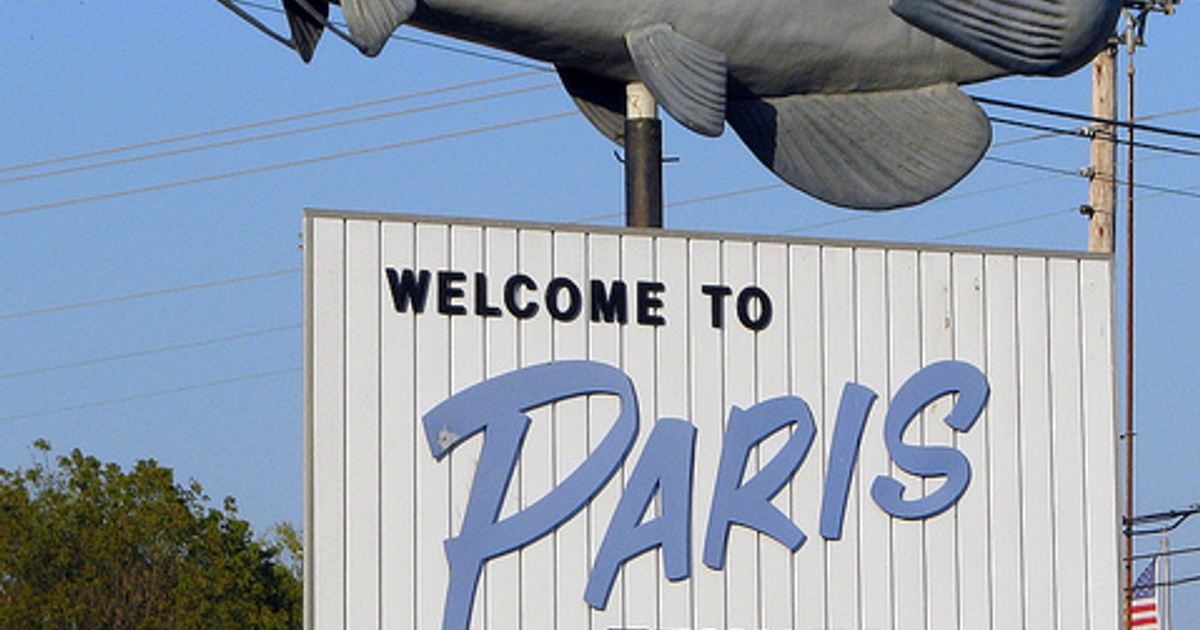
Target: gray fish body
{"points": [[773, 47], [855, 102]]}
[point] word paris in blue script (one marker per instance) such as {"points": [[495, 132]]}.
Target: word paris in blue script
{"points": [[497, 408]]}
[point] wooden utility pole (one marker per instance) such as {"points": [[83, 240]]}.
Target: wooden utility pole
{"points": [[1102, 204], [643, 159], [1102, 194]]}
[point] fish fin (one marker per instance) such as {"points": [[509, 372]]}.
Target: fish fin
{"points": [[870, 151], [306, 30], [1024, 36], [601, 101], [372, 22], [685, 76]]}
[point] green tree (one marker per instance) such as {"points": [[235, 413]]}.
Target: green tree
{"points": [[84, 544]]}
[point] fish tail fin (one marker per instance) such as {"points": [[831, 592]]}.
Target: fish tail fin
{"points": [[1051, 37]]}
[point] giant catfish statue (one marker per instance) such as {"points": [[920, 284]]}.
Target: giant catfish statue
{"points": [[855, 102]]}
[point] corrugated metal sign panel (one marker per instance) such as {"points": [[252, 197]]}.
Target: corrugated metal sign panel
{"points": [[1032, 543]]}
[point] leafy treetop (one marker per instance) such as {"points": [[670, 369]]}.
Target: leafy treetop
{"points": [[84, 544]]}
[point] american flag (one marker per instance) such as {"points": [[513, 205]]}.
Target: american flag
{"points": [[1144, 604]]}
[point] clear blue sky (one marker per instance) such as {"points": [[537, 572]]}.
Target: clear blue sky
{"points": [[84, 76]]}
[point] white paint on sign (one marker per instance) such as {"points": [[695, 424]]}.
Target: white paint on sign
{"points": [[709, 323]]}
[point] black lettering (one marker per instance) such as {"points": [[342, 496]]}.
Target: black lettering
{"points": [[447, 293], [648, 302], [511, 287], [574, 299], [408, 288], [482, 308], [718, 293], [753, 293], [611, 305]]}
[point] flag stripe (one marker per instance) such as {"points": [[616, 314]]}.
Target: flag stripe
{"points": [[1143, 609]]}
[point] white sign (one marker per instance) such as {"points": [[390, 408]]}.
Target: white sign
{"points": [[515, 426]]}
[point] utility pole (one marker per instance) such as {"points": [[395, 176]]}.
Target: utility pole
{"points": [[643, 159], [1101, 210], [1102, 193]]}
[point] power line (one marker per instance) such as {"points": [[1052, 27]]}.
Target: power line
{"points": [[422, 42], [263, 123], [148, 294], [596, 217], [386, 147], [1033, 166], [1085, 132], [981, 99], [1186, 580], [993, 226], [1015, 141], [1035, 109], [1171, 552], [943, 199], [547, 69], [281, 165], [1004, 224], [687, 202], [148, 395], [1052, 171], [1045, 215], [1052, 132], [277, 134], [1044, 136], [153, 351], [293, 270], [723, 195], [1169, 114], [1166, 190], [849, 219], [824, 224]]}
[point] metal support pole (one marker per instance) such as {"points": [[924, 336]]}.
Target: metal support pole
{"points": [[643, 159], [1164, 578], [1131, 46]]}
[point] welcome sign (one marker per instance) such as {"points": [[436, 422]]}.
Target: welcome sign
{"points": [[517, 426]]}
